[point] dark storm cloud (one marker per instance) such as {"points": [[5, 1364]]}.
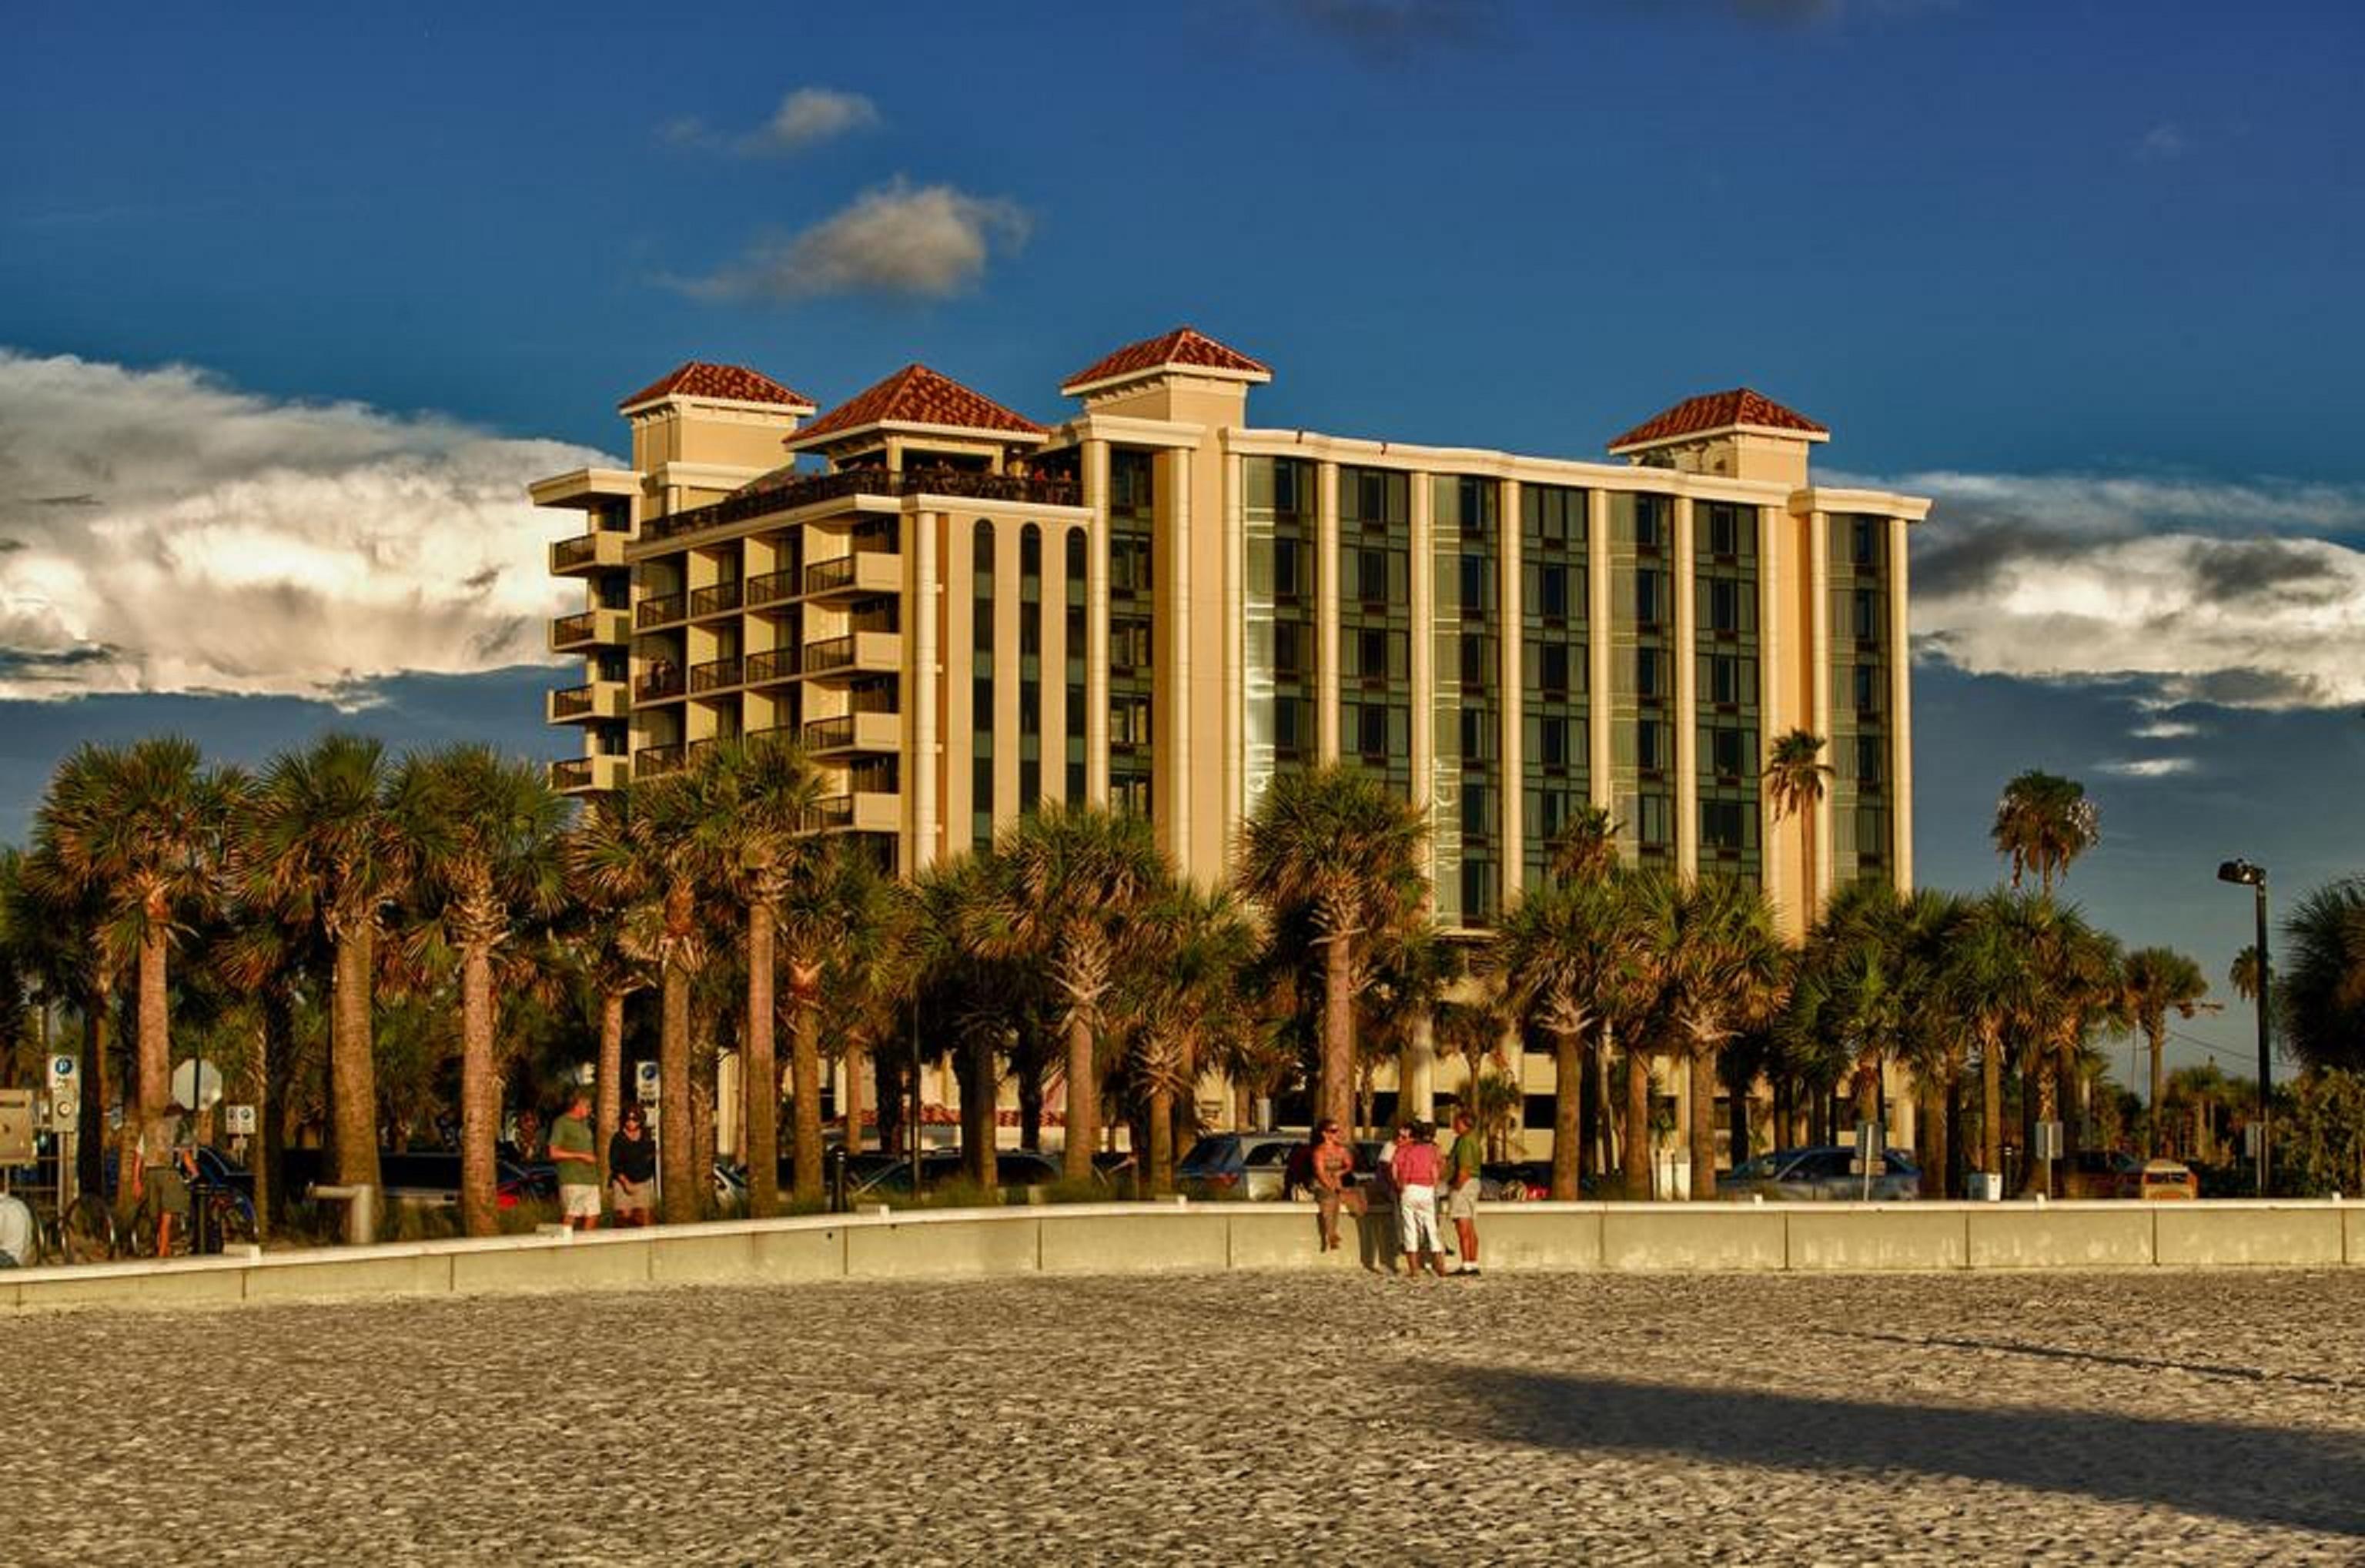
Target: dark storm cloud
{"points": [[2233, 568]]}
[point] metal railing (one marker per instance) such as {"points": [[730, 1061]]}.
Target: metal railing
{"points": [[663, 680], [571, 773], [832, 811], [770, 587], [570, 702], [568, 554], [651, 761], [762, 499], [578, 628], [715, 599], [714, 675], [771, 665], [658, 611], [835, 653]]}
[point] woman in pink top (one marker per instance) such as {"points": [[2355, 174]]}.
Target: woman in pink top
{"points": [[1418, 1166]]}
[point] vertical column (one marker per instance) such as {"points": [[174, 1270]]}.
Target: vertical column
{"points": [[1901, 706], [1325, 601], [1682, 583], [1773, 529], [1598, 772], [1007, 613], [1816, 662], [1235, 576], [1096, 626], [1053, 706], [1511, 619], [923, 814], [1174, 742], [1424, 645]]}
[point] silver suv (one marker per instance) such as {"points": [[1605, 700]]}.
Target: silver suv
{"points": [[1796, 1175]]}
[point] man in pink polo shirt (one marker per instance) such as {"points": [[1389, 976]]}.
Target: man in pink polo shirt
{"points": [[1418, 1167]]}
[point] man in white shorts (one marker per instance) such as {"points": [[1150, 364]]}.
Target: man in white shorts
{"points": [[1417, 1168], [579, 1167]]}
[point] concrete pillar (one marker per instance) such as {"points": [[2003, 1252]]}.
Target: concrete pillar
{"points": [[1510, 597], [1596, 636], [1416, 1069], [1773, 707], [1007, 614], [1900, 707], [1096, 626], [924, 811], [1175, 744], [1820, 667], [1053, 742], [1424, 647], [1235, 576]]}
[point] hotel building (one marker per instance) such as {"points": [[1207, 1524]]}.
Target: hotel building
{"points": [[1155, 604]]}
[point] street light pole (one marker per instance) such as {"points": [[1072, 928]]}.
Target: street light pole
{"points": [[2256, 877]]}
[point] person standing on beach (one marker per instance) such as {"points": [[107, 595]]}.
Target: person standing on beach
{"points": [[571, 1150], [1334, 1176], [1461, 1189], [1418, 1166]]}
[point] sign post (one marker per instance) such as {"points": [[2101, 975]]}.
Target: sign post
{"points": [[648, 1086], [65, 1116]]}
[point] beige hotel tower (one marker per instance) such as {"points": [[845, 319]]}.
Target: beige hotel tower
{"points": [[1156, 604]]}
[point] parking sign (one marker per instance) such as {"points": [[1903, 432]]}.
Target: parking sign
{"points": [[62, 1073], [644, 1082]]}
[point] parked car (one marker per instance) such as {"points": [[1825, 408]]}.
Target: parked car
{"points": [[1219, 1165], [2100, 1174], [2167, 1178], [430, 1177], [1515, 1183], [1019, 1172], [1797, 1175]]}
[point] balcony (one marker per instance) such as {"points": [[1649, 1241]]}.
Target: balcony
{"points": [[591, 628], [654, 761], [770, 588], [853, 733], [855, 652], [583, 704], [861, 812], [662, 679], [715, 600], [865, 572], [771, 665], [795, 491], [576, 775], [600, 550], [660, 610], [715, 676]]}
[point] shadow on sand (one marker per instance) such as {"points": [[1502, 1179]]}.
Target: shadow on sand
{"points": [[2301, 1480]]}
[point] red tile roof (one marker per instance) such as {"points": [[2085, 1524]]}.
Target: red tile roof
{"points": [[918, 395], [1183, 346], [1717, 410], [733, 383]]}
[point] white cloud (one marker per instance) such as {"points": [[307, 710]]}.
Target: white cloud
{"points": [[2222, 592], [926, 240], [163, 532], [2148, 766], [2165, 730], [812, 114]]}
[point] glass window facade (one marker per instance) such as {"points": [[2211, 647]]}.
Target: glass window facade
{"points": [[1862, 662], [1466, 778], [1281, 693], [1030, 667], [1555, 668], [981, 716], [1641, 696], [1133, 506], [1376, 623], [1725, 547], [1077, 586]]}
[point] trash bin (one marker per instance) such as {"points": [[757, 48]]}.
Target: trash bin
{"points": [[1987, 1187]]}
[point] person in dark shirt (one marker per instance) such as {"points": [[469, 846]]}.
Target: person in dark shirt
{"points": [[632, 1170]]}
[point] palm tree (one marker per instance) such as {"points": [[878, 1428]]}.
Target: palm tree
{"points": [[2077, 987], [326, 849], [1586, 848], [869, 968], [1559, 952], [594, 941], [1796, 779], [75, 960], [2320, 988], [142, 830], [634, 851], [2244, 975], [1191, 949], [2045, 822], [758, 836], [1332, 846], [2160, 980], [487, 829], [1075, 877], [1721, 971]]}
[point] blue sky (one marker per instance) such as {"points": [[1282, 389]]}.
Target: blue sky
{"points": [[292, 298]]}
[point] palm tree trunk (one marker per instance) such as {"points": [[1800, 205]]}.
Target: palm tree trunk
{"points": [[90, 1159], [479, 1214], [977, 1108], [1084, 1103], [1930, 1134], [1161, 1141], [353, 1067], [1030, 1100], [1991, 1104], [1338, 1102], [2158, 1032], [1638, 1121], [677, 1172], [853, 1107], [1737, 1115], [155, 1025], [611, 1106], [804, 1090], [262, 1159], [760, 1078], [1568, 1085], [1867, 1089], [1605, 1115], [1703, 1092]]}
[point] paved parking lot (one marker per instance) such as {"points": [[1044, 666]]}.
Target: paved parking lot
{"points": [[2206, 1418]]}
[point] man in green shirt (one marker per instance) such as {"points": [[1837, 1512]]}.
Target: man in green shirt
{"points": [[579, 1167], [1462, 1188]]}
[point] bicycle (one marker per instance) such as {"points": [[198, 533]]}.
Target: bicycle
{"points": [[85, 1233], [228, 1221]]}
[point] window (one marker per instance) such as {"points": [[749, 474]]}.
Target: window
{"points": [[1724, 606], [1864, 614], [1552, 669], [1552, 593], [1651, 752], [1288, 649], [1646, 596], [1647, 673], [1869, 752], [1864, 542], [1864, 680], [1723, 824], [1729, 751]]}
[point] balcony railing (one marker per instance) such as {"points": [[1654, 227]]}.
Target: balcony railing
{"points": [[572, 773], [832, 811], [836, 653], [570, 702], [714, 675], [770, 587], [651, 761], [661, 681], [808, 489], [579, 627], [771, 665], [714, 601], [657, 611], [829, 734], [569, 554]]}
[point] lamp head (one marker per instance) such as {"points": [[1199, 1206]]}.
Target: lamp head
{"points": [[2242, 871]]}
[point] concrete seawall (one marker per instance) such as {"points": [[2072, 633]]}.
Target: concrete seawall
{"points": [[1142, 1238]]}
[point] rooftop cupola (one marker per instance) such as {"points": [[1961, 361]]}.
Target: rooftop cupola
{"points": [[918, 412], [1739, 435], [721, 414], [1183, 374]]}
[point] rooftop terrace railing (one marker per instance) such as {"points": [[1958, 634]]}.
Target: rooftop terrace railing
{"points": [[764, 498]]}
